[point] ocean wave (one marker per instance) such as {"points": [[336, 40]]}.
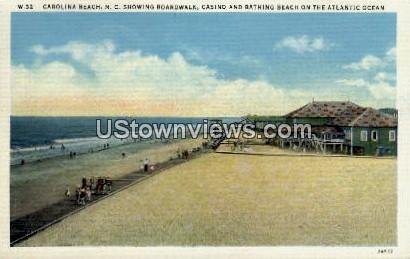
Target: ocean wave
{"points": [[75, 140], [28, 149]]}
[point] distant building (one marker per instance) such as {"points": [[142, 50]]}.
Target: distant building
{"points": [[346, 127], [392, 111], [364, 130], [261, 121]]}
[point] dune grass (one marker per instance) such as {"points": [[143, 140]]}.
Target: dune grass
{"points": [[232, 200]]}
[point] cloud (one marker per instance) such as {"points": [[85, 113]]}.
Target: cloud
{"points": [[352, 82], [366, 63], [383, 91], [380, 90], [384, 76], [391, 54], [303, 44], [79, 51], [370, 62], [207, 56], [131, 83], [374, 80]]}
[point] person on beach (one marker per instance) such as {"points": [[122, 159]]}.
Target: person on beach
{"points": [[77, 195], [146, 162], [123, 155], [100, 185], [91, 183], [62, 147], [88, 193], [84, 183], [97, 185], [185, 154], [67, 192], [82, 196], [108, 182]]}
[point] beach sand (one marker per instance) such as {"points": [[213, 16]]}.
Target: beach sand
{"points": [[244, 200], [39, 184], [263, 149]]}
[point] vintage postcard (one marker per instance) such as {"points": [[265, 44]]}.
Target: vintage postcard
{"points": [[216, 129]]}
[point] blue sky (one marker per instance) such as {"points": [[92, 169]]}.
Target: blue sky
{"points": [[309, 52]]}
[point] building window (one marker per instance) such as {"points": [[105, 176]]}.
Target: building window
{"points": [[363, 135], [374, 135], [392, 135], [347, 132]]}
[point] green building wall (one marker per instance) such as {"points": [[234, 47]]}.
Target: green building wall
{"points": [[370, 147]]}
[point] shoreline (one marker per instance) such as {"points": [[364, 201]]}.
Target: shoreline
{"points": [[81, 147], [95, 149], [39, 184]]}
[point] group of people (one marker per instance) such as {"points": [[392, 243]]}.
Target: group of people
{"points": [[184, 154], [238, 144], [72, 154], [62, 147], [146, 166], [83, 192], [90, 150]]}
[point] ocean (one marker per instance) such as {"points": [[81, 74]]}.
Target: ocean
{"points": [[34, 138]]}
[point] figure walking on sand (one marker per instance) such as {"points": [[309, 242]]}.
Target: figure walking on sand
{"points": [[67, 192], [82, 196], [91, 183], [77, 195], [146, 162], [88, 193], [84, 183], [108, 182]]}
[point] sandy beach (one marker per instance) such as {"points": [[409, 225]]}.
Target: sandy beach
{"points": [[245, 200], [39, 184]]}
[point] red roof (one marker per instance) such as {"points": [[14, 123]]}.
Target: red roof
{"points": [[374, 118], [345, 114]]}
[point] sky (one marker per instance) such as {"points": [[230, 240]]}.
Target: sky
{"points": [[199, 64]]}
